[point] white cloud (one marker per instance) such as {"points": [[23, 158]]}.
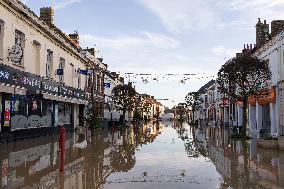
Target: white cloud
{"points": [[255, 4], [156, 40], [225, 52], [248, 11], [63, 3], [161, 41], [181, 15]]}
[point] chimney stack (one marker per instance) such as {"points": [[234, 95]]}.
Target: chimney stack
{"points": [[100, 59], [276, 27], [92, 51], [47, 15], [75, 37], [262, 33]]}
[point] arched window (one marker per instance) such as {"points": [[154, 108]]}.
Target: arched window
{"points": [[2, 23]]}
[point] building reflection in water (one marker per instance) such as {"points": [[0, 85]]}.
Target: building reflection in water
{"points": [[242, 164], [89, 160]]}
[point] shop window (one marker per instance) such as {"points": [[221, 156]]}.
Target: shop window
{"points": [[49, 63], [61, 66], [61, 118], [56, 118], [34, 107], [47, 112], [1, 39], [18, 111], [67, 113], [64, 114], [20, 106]]}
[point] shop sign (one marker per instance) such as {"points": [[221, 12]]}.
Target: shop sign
{"points": [[66, 91], [71, 92], [50, 87], [79, 94], [13, 76], [5, 74], [32, 83]]}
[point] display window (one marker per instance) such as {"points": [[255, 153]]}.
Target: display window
{"points": [[47, 112]]}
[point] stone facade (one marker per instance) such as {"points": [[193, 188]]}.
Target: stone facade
{"points": [[43, 73], [276, 27]]}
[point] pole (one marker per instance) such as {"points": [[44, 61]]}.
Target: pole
{"points": [[62, 148]]}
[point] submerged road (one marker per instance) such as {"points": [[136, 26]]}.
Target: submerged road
{"points": [[155, 155]]}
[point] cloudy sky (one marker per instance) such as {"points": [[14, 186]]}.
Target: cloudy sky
{"points": [[164, 36]]}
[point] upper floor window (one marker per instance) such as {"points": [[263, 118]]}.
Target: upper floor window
{"points": [[73, 74], [61, 66], [20, 38], [1, 39], [49, 63]]}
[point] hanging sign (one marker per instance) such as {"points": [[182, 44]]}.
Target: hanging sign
{"points": [[60, 72], [107, 85], [84, 72]]}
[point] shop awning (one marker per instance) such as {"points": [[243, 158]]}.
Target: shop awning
{"points": [[12, 89], [50, 96], [64, 99]]}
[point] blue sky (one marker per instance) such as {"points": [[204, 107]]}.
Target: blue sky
{"points": [[163, 36]]}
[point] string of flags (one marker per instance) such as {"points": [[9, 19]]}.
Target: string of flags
{"points": [[182, 78]]}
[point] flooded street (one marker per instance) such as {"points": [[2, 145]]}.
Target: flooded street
{"points": [[156, 155]]}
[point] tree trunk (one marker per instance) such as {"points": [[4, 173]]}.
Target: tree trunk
{"points": [[244, 126], [123, 115], [193, 116]]}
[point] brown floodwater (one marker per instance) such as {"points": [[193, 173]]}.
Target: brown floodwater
{"points": [[154, 155]]}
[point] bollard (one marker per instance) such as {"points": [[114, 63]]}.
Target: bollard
{"points": [[62, 148]]}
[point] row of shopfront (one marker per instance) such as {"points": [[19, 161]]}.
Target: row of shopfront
{"points": [[32, 104]]}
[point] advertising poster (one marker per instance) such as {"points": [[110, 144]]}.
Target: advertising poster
{"points": [[7, 113]]}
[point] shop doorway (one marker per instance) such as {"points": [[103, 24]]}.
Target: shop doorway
{"points": [[81, 115]]}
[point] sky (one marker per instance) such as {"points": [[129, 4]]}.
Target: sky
{"points": [[162, 37]]}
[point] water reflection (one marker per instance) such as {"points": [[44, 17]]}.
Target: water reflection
{"points": [[242, 164], [153, 155]]}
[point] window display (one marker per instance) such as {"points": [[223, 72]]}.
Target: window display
{"points": [[67, 113], [61, 117], [47, 111], [18, 112]]}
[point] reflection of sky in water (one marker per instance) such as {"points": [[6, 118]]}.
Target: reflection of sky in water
{"points": [[165, 165]]}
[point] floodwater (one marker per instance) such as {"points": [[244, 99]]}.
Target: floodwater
{"points": [[157, 155]]}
